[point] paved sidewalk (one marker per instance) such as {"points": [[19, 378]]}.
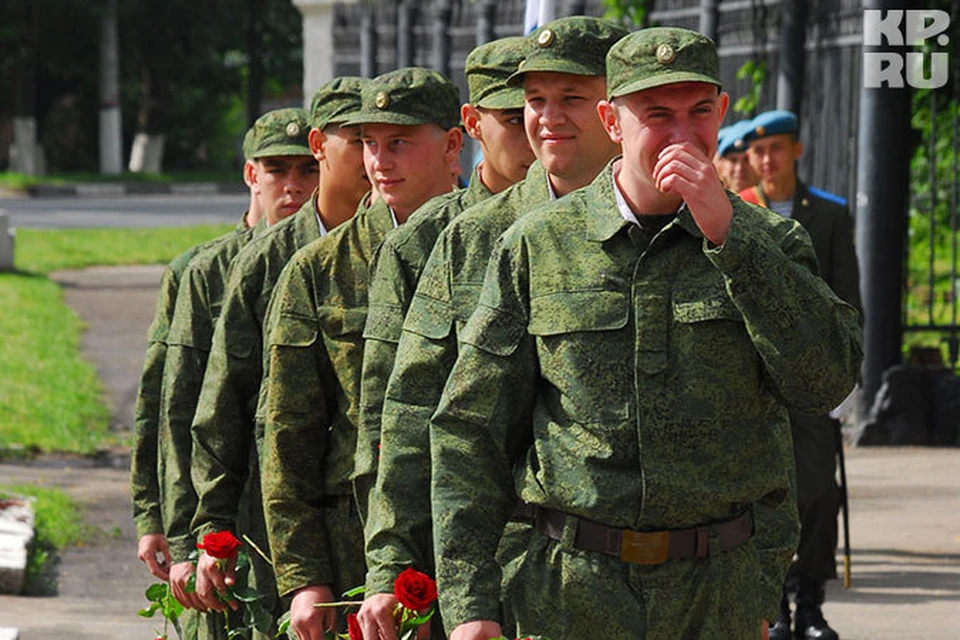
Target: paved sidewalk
{"points": [[905, 534]]}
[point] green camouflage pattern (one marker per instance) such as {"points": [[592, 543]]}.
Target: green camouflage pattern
{"points": [[409, 96], [336, 101], [399, 527], [281, 132], [396, 270], [575, 44], [223, 426], [487, 69], [657, 56], [561, 396], [188, 345], [314, 346], [144, 485]]}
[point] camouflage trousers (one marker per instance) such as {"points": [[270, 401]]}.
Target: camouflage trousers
{"points": [[562, 592]]}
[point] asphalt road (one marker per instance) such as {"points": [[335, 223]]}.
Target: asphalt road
{"points": [[123, 212]]}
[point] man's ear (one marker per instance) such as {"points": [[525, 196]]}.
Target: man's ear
{"points": [[471, 121], [797, 149], [317, 140], [250, 175], [724, 98], [453, 142], [610, 120]]}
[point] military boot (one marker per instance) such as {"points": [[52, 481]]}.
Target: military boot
{"points": [[780, 629], [808, 621]]}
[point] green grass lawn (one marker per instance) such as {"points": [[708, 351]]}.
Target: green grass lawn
{"points": [[50, 397], [21, 181]]}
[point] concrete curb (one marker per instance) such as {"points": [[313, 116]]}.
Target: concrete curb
{"points": [[16, 534], [9, 633], [120, 189]]}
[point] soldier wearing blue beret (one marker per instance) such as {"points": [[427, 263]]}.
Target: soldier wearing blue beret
{"points": [[731, 159], [774, 148]]}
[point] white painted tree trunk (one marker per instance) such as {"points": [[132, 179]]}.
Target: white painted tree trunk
{"points": [[26, 155], [146, 154]]}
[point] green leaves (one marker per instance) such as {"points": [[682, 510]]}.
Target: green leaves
{"points": [[161, 599], [756, 73]]}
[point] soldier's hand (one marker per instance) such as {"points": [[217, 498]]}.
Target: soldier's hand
{"points": [[212, 580], [684, 169], [764, 630], [179, 579], [310, 622], [477, 630], [153, 551], [376, 616]]}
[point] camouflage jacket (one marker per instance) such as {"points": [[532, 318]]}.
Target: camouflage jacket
{"points": [[636, 382], [144, 486], [314, 340], [398, 531], [396, 270], [223, 424], [188, 345]]}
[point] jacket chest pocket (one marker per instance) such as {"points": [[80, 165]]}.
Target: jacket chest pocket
{"points": [[709, 331], [585, 351]]}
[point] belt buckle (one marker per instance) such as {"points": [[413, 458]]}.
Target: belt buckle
{"points": [[644, 547]]}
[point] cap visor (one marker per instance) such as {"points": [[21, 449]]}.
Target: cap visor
{"points": [[385, 117], [508, 98], [662, 79], [556, 65], [281, 150]]}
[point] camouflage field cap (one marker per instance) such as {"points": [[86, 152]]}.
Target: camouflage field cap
{"points": [[336, 101], [576, 44], [487, 69], [408, 97], [661, 55], [281, 132]]}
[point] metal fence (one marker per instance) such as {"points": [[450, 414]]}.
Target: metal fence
{"points": [[746, 30]]}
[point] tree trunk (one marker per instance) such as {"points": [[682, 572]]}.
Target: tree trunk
{"points": [[153, 119], [111, 139], [26, 155]]}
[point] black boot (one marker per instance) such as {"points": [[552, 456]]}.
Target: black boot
{"points": [[809, 622], [780, 629]]}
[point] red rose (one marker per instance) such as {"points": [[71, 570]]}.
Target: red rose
{"points": [[415, 590], [221, 545], [354, 627]]}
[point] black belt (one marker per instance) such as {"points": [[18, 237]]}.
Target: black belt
{"points": [[644, 547]]}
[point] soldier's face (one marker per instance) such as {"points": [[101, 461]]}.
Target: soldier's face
{"points": [[773, 158], [506, 150], [736, 171], [562, 124], [409, 164], [283, 183], [649, 121], [342, 161]]}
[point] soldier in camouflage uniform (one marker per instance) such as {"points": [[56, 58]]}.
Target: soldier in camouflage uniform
{"points": [[563, 76], [410, 129], [224, 451], [494, 117], [144, 484], [191, 331], [625, 372]]}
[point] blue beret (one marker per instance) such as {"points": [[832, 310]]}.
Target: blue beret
{"points": [[733, 138], [771, 123]]}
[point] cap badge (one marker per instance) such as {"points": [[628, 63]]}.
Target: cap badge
{"points": [[666, 54], [382, 100], [293, 130], [546, 37], [738, 143], [761, 130]]}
